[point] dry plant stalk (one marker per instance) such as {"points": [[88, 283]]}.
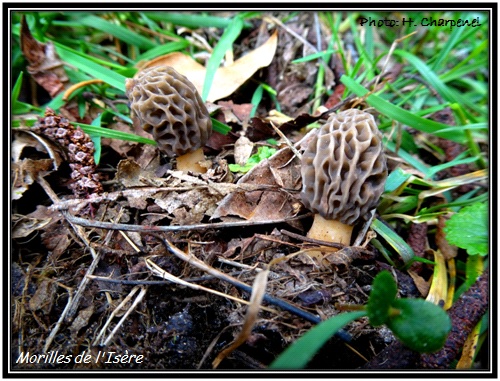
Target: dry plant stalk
{"points": [[159, 272], [125, 315], [258, 292]]}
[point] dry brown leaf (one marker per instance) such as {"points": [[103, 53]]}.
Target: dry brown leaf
{"points": [[24, 225], [28, 139], [45, 66], [123, 147], [281, 170], [423, 286], [235, 113], [227, 79], [82, 319], [44, 297], [188, 208], [130, 174], [25, 173], [57, 240]]}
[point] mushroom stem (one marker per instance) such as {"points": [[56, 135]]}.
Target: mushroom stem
{"points": [[191, 161], [330, 230]]}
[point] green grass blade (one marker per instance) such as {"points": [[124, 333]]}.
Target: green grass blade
{"points": [[407, 157], [91, 68], [96, 139], [118, 31], [192, 20], [163, 49], [459, 73], [393, 239], [310, 57], [94, 59], [297, 355], [112, 134], [225, 43], [480, 63], [17, 88], [457, 161], [449, 94], [256, 98], [397, 113], [220, 127], [443, 53], [395, 179]]}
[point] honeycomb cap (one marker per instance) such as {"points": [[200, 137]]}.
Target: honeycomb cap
{"points": [[167, 105], [344, 167]]}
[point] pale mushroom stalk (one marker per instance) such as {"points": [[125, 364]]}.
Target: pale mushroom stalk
{"points": [[192, 161], [167, 105], [330, 230], [343, 174]]}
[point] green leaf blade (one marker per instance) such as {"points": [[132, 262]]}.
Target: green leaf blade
{"points": [[401, 115], [382, 295], [394, 240], [468, 229], [225, 43], [421, 325], [91, 68], [112, 134], [118, 31], [297, 355]]}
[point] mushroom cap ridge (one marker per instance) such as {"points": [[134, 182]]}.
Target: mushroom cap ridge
{"points": [[167, 105], [344, 167]]}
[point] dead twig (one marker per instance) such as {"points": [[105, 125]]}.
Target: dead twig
{"points": [[159, 272], [258, 292], [245, 287], [74, 301], [312, 240], [274, 20], [124, 317], [174, 228], [287, 141], [114, 313]]}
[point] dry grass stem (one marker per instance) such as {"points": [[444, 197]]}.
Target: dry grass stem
{"points": [[258, 292], [124, 317]]}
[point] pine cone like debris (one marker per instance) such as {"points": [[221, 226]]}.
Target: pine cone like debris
{"points": [[80, 152]]}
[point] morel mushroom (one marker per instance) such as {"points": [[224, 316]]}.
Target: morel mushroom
{"points": [[168, 106], [343, 174]]}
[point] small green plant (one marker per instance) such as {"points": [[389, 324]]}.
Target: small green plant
{"points": [[468, 229], [420, 325], [263, 152]]}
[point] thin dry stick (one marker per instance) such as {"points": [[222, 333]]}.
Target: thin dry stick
{"points": [[174, 228], [389, 54], [114, 313], [132, 307], [241, 285], [78, 204], [70, 309], [212, 344], [288, 142], [56, 328], [83, 284], [159, 272], [364, 230], [258, 292], [274, 20]]}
